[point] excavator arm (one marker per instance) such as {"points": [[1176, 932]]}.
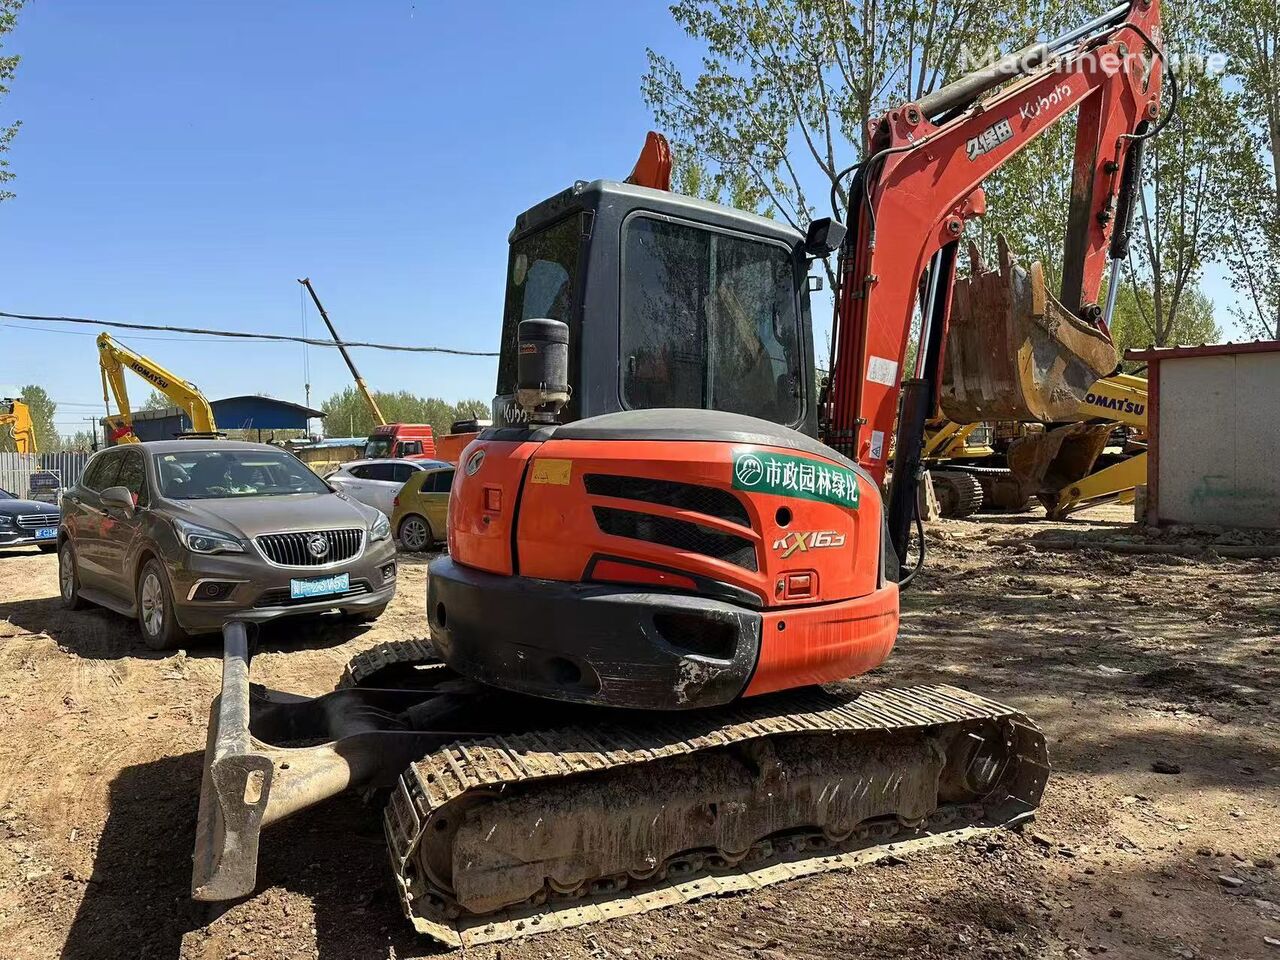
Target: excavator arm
{"points": [[909, 203], [16, 415], [114, 358]]}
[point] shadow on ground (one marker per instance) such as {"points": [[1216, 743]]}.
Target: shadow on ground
{"points": [[137, 901], [100, 634]]}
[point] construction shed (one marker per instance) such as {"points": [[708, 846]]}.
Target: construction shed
{"points": [[259, 416], [1214, 433]]}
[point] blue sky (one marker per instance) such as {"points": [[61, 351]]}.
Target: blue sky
{"points": [[183, 163]]}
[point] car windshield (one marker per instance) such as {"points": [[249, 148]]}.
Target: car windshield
{"points": [[220, 474], [377, 447]]}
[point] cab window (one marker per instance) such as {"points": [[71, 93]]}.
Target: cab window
{"points": [[709, 320], [410, 448]]}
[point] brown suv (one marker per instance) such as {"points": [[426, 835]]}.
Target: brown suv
{"points": [[186, 534]]}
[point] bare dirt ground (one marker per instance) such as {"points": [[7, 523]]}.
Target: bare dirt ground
{"points": [[1125, 660]]}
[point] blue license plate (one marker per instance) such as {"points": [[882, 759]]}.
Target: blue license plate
{"points": [[46, 533], [319, 586]]}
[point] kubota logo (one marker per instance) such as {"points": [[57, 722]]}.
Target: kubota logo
{"points": [[802, 541]]}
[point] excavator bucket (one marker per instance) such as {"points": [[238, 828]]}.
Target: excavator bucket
{"points": [[1013, 351], [1044, 464]]}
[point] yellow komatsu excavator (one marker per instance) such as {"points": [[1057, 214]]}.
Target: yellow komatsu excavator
{"points": [[16, 416], [1058, 466], [114, 358]]}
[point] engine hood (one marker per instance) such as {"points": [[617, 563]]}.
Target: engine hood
{"points": [[253, 516]]}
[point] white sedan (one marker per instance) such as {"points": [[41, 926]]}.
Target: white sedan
{"points": [[376, 482]]}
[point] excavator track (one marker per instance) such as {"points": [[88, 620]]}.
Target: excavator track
{"points": [[390, 664], [499, 837]]}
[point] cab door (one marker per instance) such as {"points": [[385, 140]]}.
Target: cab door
{"points": [[121, 535]]}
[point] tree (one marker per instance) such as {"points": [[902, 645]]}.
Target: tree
{"points": [[788, 87], [1250, 30], [8, 67], [156, 401], [1133, 325], [347, 413]]}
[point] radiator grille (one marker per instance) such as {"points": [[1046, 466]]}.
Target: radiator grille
{"points": [[683, 496], [679, 534], [34, 521], [279, 597], [295, 549]]}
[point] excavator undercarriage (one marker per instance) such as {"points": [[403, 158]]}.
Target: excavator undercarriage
{"points": [[500, 828]]}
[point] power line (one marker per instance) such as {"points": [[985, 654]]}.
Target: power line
{"points": [[10, 325], [244, 335]]}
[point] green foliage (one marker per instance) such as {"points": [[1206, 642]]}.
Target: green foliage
{"points": [[8, 67], [787, 88], [156, 401], [1133, 326], [346, 413], [1250, 31]]}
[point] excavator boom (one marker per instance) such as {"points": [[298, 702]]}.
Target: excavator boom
{"points": [[114, 358], [16, 416]]}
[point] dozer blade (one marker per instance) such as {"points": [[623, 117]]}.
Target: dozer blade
{"points": [[1013, 351], [271, 754], [1044, 464]]}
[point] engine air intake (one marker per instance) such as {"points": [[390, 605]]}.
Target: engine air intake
{"points": [[683, 496], [679, 534]]}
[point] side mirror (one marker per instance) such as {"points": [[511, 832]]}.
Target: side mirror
{"points": [[824, 237], [118, 498]]}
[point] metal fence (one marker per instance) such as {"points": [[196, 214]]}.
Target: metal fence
{"points": [[17, 469]]}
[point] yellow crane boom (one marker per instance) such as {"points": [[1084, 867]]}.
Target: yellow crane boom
{"points": [[114, 358], [16, 415]]}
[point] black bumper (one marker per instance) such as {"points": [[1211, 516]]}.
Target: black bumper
{"points": [[591, 643]]}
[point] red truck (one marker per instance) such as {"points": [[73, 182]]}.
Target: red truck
{"points": [[412, 440]]}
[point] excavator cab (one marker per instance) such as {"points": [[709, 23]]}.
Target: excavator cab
{"points": [[670, 301]]}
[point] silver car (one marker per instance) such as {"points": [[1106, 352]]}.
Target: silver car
{"points": [[186, 534], [376, 482]]}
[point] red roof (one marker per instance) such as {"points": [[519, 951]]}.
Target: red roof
{"points": [[1156, 354]]}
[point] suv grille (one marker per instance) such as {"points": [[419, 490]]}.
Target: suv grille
{"points": [[679, 534], [683, 496], [294, 549], [33, 521]]}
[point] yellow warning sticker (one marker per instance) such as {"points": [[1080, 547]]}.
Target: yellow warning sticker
{"points": [[552, 471]]}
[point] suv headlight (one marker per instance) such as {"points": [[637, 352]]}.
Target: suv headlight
{"points": [[199, 539], [6, 520], [380, 529]]}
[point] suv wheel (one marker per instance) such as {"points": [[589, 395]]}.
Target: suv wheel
{"points": [[415, 533], [159, 625], [68, 577]]}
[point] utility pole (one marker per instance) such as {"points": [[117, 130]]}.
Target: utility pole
{"points": [[93, 430]]}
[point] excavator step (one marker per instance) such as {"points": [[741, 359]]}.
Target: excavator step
{"points": [[501, 837]]}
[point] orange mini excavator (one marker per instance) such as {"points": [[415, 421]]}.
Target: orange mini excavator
{"points": [[655, 561]]}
